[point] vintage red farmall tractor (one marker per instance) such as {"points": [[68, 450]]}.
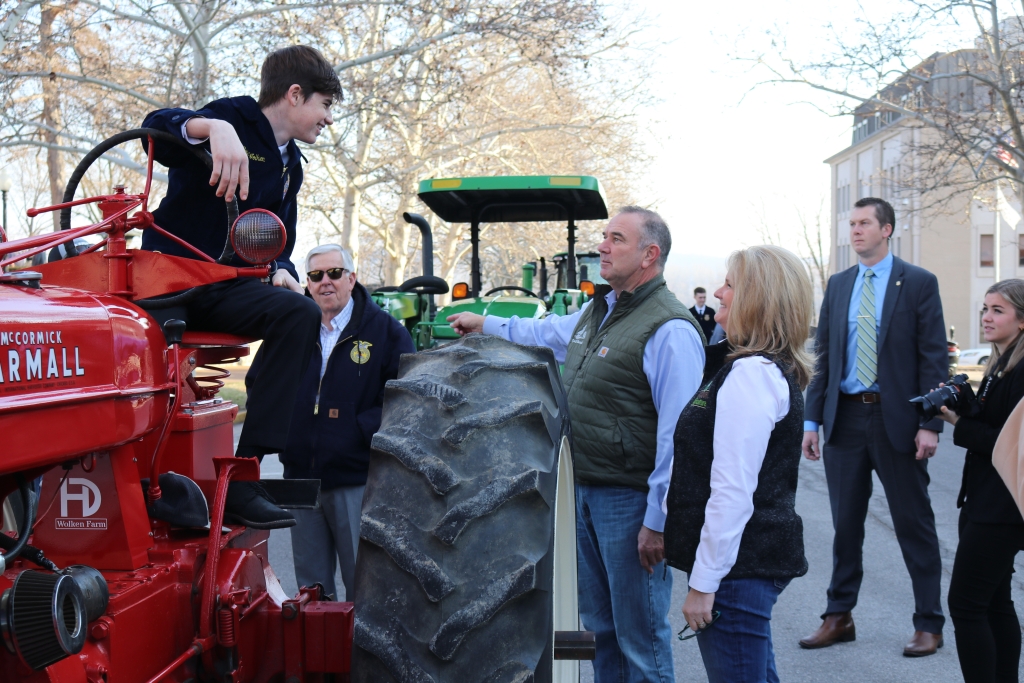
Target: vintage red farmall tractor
{"points": [[93, 401], [116, 455]]}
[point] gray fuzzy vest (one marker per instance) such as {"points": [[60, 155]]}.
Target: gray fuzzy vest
{"points": [[772, 545]]}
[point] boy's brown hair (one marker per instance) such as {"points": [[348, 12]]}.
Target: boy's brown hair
{"points": [[297, 65]]}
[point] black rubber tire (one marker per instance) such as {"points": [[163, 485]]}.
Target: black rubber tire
{"points": [[455, 564]]}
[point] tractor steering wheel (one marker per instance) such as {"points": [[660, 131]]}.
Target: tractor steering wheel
{"points": [[98, 151], [424, 284], [512, 288]]}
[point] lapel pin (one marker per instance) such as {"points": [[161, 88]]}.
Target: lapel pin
{"points": [[897, 283]]}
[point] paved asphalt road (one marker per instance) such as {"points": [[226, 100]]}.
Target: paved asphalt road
{"points": [[883, 616]]}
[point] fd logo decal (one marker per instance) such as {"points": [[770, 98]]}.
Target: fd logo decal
{"points": [[87, 494], [360, 352]]}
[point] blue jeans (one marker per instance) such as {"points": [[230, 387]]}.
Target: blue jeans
{"points": [[626, 607], [738, 648]]}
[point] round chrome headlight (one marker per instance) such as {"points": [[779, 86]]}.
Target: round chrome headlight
{"points": [[258, 236]]}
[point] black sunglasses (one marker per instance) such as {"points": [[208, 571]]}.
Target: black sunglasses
{"points": [[714, 617], [333, 273]]}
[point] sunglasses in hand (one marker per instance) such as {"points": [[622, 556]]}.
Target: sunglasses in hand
{"points": [[333, 273], [714, 617]]}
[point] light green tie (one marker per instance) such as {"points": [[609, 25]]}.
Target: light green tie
{"points": [[867, 334]]}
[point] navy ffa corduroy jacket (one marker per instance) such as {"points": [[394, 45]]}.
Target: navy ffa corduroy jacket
{"points": [[192, 210], [335, 418]]}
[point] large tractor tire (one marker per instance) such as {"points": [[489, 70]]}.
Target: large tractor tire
{"points": [[462, 575]]}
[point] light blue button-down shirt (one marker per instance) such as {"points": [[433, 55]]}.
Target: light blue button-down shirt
{"points": [[673, 364], [850, 384]]}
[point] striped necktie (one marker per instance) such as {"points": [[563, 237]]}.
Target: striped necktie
{"points": [[867, 334]]}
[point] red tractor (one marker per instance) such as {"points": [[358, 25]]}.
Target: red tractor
{"points": [[116, 454]]}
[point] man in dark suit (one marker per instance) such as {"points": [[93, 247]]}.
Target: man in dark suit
{"points": [[880, 342], [705, 315]]}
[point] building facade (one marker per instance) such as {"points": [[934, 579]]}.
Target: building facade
{"points": [[954, 239]]}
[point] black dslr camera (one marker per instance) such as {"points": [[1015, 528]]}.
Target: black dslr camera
{"points": [[957, 395]]}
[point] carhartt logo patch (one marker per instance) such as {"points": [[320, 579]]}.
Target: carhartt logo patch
{"points": [[333, 412], [603, 352]]}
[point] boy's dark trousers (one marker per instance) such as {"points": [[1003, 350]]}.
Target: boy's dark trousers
{"points": [[288, 323]]}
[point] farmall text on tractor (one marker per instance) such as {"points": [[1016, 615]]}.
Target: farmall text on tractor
{"points": [[115, 457]]}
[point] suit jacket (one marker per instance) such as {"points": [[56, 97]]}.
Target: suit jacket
{"points": [[707, 326], [912, 354]]}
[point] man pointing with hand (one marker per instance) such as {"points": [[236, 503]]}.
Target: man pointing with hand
{"points": [[633, 357]]}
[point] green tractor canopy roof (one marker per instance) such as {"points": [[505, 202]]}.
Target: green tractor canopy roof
{"points": [[514, 199]]}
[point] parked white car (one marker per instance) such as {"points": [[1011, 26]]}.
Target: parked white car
{"points": [[978, 356]]}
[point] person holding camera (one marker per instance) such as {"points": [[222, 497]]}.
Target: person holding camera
{"points": [[988, 638], [731, 518]]}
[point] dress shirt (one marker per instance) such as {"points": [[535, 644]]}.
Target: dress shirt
{"points": [[673, 364], [329, 336], [751, 400], [850, 384], [700, 311]]}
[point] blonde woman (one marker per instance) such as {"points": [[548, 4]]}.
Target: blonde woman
{"points": [[731, 521]]}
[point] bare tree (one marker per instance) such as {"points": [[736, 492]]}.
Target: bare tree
{"points": [[961, 110]]}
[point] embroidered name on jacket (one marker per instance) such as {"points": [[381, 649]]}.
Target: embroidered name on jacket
{"points": [[580, 337], [701, 399]]}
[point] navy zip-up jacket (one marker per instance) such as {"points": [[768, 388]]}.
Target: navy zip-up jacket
{"points": [[192, 210], [335, 418]]}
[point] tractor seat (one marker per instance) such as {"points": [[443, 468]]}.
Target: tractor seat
{"points": [[194, 340], [216, 347]]}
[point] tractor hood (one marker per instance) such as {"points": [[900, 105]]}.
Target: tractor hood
{"points": [[79, 372], [503, 306]]}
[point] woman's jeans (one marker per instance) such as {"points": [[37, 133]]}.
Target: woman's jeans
{"points": [[985, 622], [738, 647]]}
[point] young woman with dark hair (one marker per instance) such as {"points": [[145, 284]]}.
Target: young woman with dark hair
{"points": [[988, 635]]}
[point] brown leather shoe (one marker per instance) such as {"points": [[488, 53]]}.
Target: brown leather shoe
{"points": [[836, 628], [923, 644]]}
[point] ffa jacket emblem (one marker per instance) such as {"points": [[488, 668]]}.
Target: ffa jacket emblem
{"points": [[707, 316], [360, 352]]}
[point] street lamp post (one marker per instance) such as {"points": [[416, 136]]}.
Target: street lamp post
{"points": [[5, 187]]}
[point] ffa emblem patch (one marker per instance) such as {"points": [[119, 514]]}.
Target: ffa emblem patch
{"points": [[360, 352], [707, 316], [603, 352]]}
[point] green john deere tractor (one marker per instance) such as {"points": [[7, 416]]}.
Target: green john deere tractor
{"points": [[504, 199]]}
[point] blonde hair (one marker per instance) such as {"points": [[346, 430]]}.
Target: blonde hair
{"points": [[773, 301], [1013, 291]]}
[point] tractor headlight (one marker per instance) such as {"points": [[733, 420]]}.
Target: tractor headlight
{"points": [[258, 236]]}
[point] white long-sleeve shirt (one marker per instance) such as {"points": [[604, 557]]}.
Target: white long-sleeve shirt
{"points": [[673, 365], [751, 400]]}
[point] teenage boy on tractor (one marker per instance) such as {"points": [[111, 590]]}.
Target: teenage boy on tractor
{"points": [[256, 160]]}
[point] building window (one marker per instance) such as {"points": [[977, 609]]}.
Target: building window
{"points": [[987, 251]]}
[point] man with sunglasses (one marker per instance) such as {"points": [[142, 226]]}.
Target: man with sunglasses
{"points": [[337, 412]]}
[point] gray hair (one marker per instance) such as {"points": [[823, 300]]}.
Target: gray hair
{"points": [[653, 230], [346, 258]]}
